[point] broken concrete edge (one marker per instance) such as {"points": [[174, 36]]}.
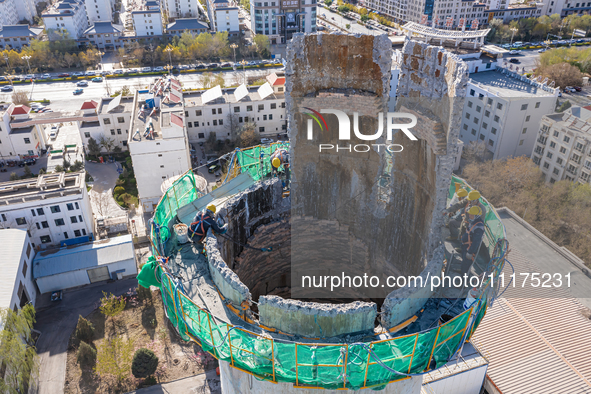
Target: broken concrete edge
{"points": [[224, 278], [314, 319], [403, 303]]}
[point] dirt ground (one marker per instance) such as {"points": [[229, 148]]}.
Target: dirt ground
{"points": [[147, 326]]}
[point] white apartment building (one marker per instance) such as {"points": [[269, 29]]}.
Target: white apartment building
{"points": [[53, 208], [280, 19], [98, 11], [26, 10], [20, 137], [499, 9], [503, 111], [235, 107], [17, 36], [104, 35], [66, 15], [396, 9], [462, 13], [563, 146], [158, 142], [108, 118], [8, 13], [16, 283], [181, 8], [147, 20], [223, 16]]}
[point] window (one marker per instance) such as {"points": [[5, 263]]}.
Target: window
{"points": [[478, 108], [21, 221], [489, 101], [558, 161], [566, 139], [201, 135], [215, 122], [549, 155], [556, 171], [219, 111], [80, 218], [283, 103], [484, 125], [120, 119], [118, 131], [465, 127], [472, 92], [487, 113], [546, 165], [552, 180], [66, 236], [55, 209], [59, 222], [473, 132], [476, 120], [33, 212], [261, 107], [70, 206], [499, 106], [524, 130], [264, 117], [213, 111], [45, 239], [77, 233], [236, 109], [86, 134], [491, 142], [73, 219], [562, 149], [44, 224], [76, 205], [28, 251], [198, 112], [190, 124], [469, 104], [25, 265], [280, 89], [556, 133], [27, 140], [467, 116], [527, 118], [270, 116], [523, 107], [496, 119], [538, 104], [83, 232], [112, 131], [493, 130], [248, 108], [261, 129], [273, 105], [106, 121], [552, 144]]}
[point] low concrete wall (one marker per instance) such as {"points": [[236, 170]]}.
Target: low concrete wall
{"points": [[401, 304], [313, 319], [224, 278]]}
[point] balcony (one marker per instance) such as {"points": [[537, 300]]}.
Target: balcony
{"points": [[542, 140], [572, 170], [539, 150]]}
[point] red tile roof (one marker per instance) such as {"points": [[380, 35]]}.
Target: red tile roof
{"points": [[89, 104], [174, 98], [20, 110], [177, 120], [279, 81]]}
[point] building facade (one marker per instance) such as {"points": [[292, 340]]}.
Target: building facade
{"points": [[8, 13], [191, 25], [223, 16], [503, 112], [147, 21], [66, 16], [98, 11], [110, 118], [158, 142], [53, 208], [20, 138], [17, 287], [280, 19], [563, 146], [17, 36], [104, 35], [181, 8]]}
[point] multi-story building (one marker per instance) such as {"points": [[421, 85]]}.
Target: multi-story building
{"points": [[395, 9], [503, 110], [26, 10], [15, 36], [99, 11], [17, 284], [570, 7], [191, 25], [158, 142], [53, 208], [181, 8], [8, 13], [280, 19], [563, 147], [461, 12], [263, 106], [104, 35], [147, 20], [109, 118], [223, 16], [66, 16], [498, 9], [20, 138]]}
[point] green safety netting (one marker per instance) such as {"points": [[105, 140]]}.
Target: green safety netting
{"points": [[352, 366]]}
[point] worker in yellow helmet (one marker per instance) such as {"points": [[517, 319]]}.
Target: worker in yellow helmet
{"points": [[280, 158], [459, 213], [472, 238], [203, 221]]}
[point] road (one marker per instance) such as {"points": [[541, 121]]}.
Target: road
{"points": [[337, 19], [527, 58], [96, 90]]}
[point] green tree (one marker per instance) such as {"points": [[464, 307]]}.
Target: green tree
{"points": [[144, 363], [93, 147], [364, 18], [328, 3], [28, 171], [348, 26], [17, 353], [13, 176], [114, 358], [86, 355], [124, 91], [111, 305], [84, 330], [262, 44], [77, 166], [58, 169]]}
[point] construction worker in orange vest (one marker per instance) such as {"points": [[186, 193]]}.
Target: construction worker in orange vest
{"points": [[457, 225], [203, 221], [472, 238]]}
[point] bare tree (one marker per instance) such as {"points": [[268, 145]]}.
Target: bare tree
{"points": [[100, 202], [474, 151], [107, 143], [20, 97]]}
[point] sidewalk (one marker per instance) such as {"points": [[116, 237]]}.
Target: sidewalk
{"points": [[205, 383]]}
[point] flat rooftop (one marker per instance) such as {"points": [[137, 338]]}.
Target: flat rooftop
{"points": [[125, 105], [41, 188], [505, 85], [193, 99], [160, 118]]}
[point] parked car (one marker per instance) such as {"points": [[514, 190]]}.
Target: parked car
{"points": [[146, 69], [514, 52], [513, 60], [78, 74], [78, 91], [542, 50], [89, 73], [7, 88], [159, 68], [118, 72], [82, 83], [63, 75], [30, 76], [213, 65], [30, 162], [266, 140], [226, 64], [213, 168], [97, 79], [200, 67], [46, 76]]}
